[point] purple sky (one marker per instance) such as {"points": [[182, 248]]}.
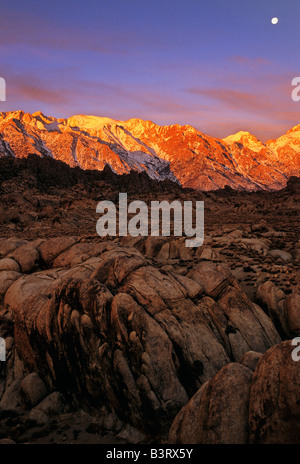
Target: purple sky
{"points": [[218, 65]]}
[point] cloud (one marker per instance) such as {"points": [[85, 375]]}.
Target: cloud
{"points": [[38, 93], [252, 102], [38, 32], [254, 62], [233, 98], [263, 106], [259, 104], [224, 126]]}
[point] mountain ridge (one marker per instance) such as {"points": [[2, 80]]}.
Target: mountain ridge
{"points": [[180, 153]]}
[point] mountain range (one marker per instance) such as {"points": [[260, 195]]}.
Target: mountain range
{"points": [[179, 153]]}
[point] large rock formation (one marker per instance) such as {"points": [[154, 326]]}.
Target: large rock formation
{"points": [[102, 323], [239, 406]]}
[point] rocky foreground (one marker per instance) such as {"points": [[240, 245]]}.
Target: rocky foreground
{"points": [[115, 340]]}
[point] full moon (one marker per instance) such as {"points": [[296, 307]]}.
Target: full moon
{"points": [[274, 20]]}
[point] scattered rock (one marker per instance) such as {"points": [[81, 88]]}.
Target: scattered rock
{"points": [[132, 435], [250, 359], [53, 405], [27, 257], [32, 389], [8, 264], [7, 441], [283, 255], [11, 399], [6, 279]]}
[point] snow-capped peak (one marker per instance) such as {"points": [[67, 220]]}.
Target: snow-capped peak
{"points": [[247, 139], [88, 122]]}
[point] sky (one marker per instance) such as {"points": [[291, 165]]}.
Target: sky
{"points": [[218, 65]]}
